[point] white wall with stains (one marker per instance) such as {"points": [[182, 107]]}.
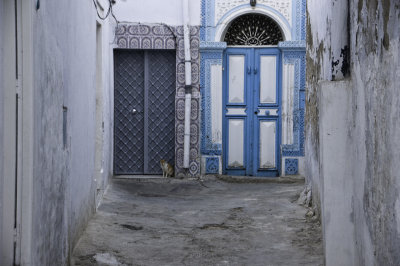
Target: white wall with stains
{"points": [[353, 128]]}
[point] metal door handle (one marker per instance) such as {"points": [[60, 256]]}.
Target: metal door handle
{"points": [[134, 111], [255, 71]]}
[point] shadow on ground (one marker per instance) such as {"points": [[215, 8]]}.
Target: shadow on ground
{"points": [[182, 222]]}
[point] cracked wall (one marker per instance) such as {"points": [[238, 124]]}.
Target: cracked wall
{"points": [[353, 127]]}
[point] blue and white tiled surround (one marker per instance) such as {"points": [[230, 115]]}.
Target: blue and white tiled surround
{"points": [[216, 16]]}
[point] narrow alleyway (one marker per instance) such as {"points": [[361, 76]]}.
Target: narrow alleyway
{"points": [[181, 222]]}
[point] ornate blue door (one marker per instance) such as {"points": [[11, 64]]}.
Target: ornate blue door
{"points": [[144, 110], [252, 111]]}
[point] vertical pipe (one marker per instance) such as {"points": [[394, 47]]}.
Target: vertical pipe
{"points": [[188, 82]]}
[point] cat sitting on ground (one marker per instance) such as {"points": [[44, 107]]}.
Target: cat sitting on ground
{"points": [[167, 169]]}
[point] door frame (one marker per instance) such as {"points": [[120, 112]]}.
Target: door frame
{"points": [[250, 165], [17, 175]]}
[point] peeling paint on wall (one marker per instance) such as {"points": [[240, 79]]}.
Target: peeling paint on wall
{"points": [[371, 126]]}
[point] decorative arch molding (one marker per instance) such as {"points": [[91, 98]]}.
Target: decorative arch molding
{"points": [[226, 20]]}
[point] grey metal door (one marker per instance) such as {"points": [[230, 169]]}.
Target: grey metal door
{"points": [[144, 110]]}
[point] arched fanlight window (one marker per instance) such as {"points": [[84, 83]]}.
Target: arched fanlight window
{"points": [[253, 29]]}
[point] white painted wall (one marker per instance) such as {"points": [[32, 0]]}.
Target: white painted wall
{"points": [[336, 167], [353, 129], [63, 65], [156, 11]]}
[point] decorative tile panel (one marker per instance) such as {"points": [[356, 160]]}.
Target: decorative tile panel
{"points": [[145, 36], [300, 27], [297, 58], [212, 165], [211, 54], [224, 6], [293, 45], [291, 166]]}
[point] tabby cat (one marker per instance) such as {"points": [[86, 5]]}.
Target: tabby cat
{"points": [[167, 169]]}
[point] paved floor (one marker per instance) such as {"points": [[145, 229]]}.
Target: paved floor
{"points": [[181, 222]]}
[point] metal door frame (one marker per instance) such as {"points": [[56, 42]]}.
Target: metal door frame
{"points": [[251, 135], [17, 173]]}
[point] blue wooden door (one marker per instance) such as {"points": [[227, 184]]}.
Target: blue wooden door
{"points": [[252, 111]]}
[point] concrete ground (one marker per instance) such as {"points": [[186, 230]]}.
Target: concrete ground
{"points": [[183, 222]]}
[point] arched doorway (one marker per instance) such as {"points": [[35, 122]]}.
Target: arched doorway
{"points": [[252, 97]]}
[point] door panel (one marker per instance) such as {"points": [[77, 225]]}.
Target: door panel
{"points": [[235, 111], [236, 78], [129, 112], [267, 104], [267, 79], [266, 147], [144, 102], [236, 122], [236, 137], [161, 110], [252, 121]]}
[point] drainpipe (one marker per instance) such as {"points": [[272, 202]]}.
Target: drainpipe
{"points": [[188, 82]]}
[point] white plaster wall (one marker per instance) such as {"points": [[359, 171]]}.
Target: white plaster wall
{"points": [[321, 47], [64, 188], [353, 127], [319, 15], [104, 111], [155, 11], [336, 168]]}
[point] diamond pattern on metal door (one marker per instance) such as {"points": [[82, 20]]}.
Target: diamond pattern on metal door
{"points": [[144, 102], [161, 102], [128, 128]]}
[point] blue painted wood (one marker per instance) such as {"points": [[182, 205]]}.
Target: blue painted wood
{"points": [[252, 118], [226, 104], [277, 119]]}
